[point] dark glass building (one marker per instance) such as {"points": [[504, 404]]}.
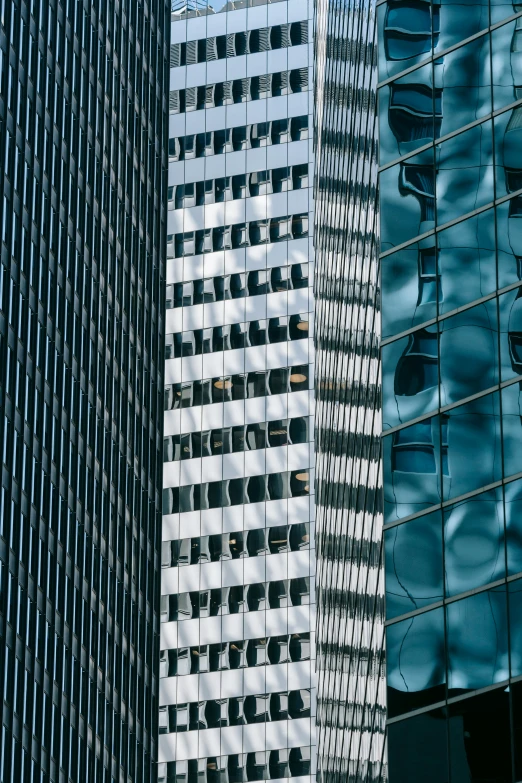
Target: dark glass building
{"points": [[83, 143], [449, 110]]}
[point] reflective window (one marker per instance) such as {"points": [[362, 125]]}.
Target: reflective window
{"points": [[256, 232], [259, 183], [238, 91], [233, 492], [237, 767], [239, 138], [232, 546], [225, 440], [236, 600], [232, 336], [220, 47]]}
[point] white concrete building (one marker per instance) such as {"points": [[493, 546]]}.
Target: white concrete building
{"points": [[238, 616]]}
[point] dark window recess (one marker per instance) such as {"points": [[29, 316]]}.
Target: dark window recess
{"points": [[240, 138], [419, 181], [219, 47], [413, 450], [418, 367], [257, 232], [234, 336], [234, 439], [411, 28], [259, 183], [238, 91], [235, 546], [236, 600], [281, 380], [234, 492], [415, 112]]}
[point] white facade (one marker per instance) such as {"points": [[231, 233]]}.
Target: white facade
{"points": [[237, 689]]}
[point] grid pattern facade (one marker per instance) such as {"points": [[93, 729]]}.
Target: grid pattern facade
{"points": [[237, 692], [350, 587], [83, 129], [450, 106]]}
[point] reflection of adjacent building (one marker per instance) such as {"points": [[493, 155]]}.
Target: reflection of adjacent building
{"points": [[449, 114], [451, 365]]}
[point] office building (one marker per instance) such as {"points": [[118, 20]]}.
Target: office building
{"points": [[350, 618], [83, 122], [237, 615], [451, 387], [450, 157]]}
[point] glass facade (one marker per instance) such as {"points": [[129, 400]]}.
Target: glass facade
{"points": [[351, 704], [237, 687], [450, 111], [83, 189]]}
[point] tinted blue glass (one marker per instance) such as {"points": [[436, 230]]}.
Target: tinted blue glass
{"points": [[508, 157], [413, 564], [515, 626], [410, 377], [418, 749], [464, 172], [510, 312], [465, 75], [467, 261], [509, 241], [505, 62], [512, 428], [416, 668], [479, 738], [410, 113], [477, 641], [468, 352], [474, 553], [406, 31], [474, 454], [411, 469], [460, 20], [411, 276], [513, 511], [408, 190]]}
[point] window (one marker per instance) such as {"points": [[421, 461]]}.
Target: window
{"points": [[430, 289], [413, 450], [418, 368], [237, 387], [299, 128], [409, 28], [420, 182], [280, 131], [415, 112], [300, 176], [221, 494], [238, 90], [239, 138]]}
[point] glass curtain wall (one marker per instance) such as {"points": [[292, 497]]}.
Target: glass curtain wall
{"points": [[450, 114], [350, 659]]}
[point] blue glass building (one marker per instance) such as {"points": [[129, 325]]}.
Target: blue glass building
{"points": [[450, 115], [449, 112]]}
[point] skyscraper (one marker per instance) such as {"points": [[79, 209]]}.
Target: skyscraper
{"points": [[450, 157], [83, 122], [350, 611], [451, 162], [237, 640]]}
